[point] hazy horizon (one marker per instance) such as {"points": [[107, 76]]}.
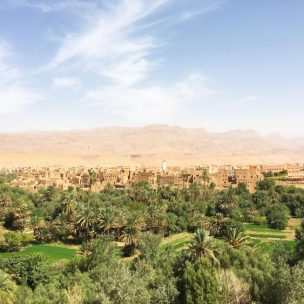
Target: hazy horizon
{"points": [[220, 65], [147, 126]]}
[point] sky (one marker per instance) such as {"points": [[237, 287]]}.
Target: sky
{"points": [[215, 64]]}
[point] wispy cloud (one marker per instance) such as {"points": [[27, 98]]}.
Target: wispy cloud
{"points": [[112, 44], [14, 95], [189, 14], [116, 47]]}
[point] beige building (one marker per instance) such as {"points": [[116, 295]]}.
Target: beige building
{"points": [[223, 177]]}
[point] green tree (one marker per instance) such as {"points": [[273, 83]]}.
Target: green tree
{"points": [[84, 224], [226, 202], [102, 251], [7, 289], [300, 242], [141, 192], [42, 232], [68, 203], [203, 246], [155, 217], [17, 218], [91, 178], [184, 177], [277, 216], [107, 220], [201, 285], [236, 239], [205, 177], [131, 232], [148, 246], [266, 184], [296, 294], [14, 241], [30, 270]]}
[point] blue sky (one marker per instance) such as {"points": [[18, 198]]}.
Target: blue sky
{"points": [[220, 65]]}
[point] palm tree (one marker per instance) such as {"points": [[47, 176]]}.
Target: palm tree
{"points": [[184, 176], [5, 200], [205, 176], [7, 288], [236, 239], [86, 250], [203, 246], [21, 217], [60, 228], [68, 202], [140, 192], [107, 220], [195, 219], [227, 201], [85, 222], [214, 223], [91, 178], [5, 203], [42, 232], [120, 223], [131, 232], [155, 217]]}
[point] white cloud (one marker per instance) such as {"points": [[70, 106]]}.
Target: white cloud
{"points": [[113, 45], [66, 82], [152, 103], [13, 94]]}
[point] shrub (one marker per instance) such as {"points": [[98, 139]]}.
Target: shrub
{"points": [[259, 220], [277, 216], [30, 270], [9, 219], [14, 241], [228, 225]]}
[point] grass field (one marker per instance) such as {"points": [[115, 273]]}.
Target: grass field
{"points": [[261, 235], [264, 237], [267, 236], [177, 241], [262, 228], [53, 253], [267, 245]]}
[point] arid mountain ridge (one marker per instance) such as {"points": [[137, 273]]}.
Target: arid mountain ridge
{"points": [[154, 141], [150, 139]]}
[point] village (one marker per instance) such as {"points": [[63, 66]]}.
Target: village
{"points": [[96, 179]]}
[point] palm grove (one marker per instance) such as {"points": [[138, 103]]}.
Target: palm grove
{"points": [[218, 265]]}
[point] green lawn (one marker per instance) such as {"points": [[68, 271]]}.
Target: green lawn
{"points": [[262, 228], [53, 253], [264, 237], [265, 245]]}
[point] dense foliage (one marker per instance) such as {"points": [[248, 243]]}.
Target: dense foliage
{"points": [[219, 265]]}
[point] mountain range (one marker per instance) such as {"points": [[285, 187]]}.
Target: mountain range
{"points": [[150, 145]]}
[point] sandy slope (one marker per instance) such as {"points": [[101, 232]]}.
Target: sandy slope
{"points": [[22, 159]]}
